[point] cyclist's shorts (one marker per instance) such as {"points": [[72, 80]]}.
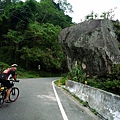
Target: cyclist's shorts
{"points": [[6, 83]]}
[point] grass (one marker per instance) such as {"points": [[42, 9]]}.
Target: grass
{"points": [[62, 81], [27, 74], [21, 73]]}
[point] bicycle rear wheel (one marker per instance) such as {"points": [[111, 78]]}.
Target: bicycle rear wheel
{"points": [[1, 100], [14, 94]]}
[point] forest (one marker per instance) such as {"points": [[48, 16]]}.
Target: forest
{"points": [[29, 34]]}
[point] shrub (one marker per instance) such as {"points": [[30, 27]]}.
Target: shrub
{"points": [[3, 66]]}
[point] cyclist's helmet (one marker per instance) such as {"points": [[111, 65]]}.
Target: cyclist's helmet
{"points": [[14, 65]]}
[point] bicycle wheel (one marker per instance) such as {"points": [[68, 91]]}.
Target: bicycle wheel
{"points": [[14, 93], [1, 100]]}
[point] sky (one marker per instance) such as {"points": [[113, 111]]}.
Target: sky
{"points": [[82, 8]]}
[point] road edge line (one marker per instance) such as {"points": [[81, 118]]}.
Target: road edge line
{"points": [[59, 103]]}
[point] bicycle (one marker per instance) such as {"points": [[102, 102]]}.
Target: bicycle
{"points": [[14, 93]]}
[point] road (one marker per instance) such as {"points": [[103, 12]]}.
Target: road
{"points": [[40, 99]]}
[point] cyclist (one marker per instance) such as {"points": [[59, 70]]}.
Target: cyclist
{"points": [[6, 76]]}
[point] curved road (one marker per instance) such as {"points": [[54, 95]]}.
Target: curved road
{"points": [[40, 99]]}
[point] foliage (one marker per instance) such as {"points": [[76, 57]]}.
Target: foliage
{"points": [[22, 73], [85, 104], [108, 15], [49, 13], [63, 5], [29, 35], [76, 74], [94, 111], [47, 50], [61, 81], [91, 16], [3, 66], [105, 15], [117, 26], [108, 84]]}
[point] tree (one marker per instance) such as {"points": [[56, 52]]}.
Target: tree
{"points": [[13, 39], [29, 35], [108, 15], [45, 48], [105, 15], [48, 12], [63, 5], [91, 16]]}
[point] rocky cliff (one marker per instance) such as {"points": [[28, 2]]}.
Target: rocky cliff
{"points": [[92, 44]]}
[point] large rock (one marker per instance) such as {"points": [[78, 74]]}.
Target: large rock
{"points": [[93, 44]]}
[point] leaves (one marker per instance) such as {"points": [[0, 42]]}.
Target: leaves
{"points": [[29, 34]]}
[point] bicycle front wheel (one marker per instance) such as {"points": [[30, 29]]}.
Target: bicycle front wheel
{"points": [[14, 94]]}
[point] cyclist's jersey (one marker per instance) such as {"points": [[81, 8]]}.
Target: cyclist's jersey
{"points": [[7, 74]]}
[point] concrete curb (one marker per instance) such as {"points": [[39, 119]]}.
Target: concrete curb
{"points": [[105, 103]]}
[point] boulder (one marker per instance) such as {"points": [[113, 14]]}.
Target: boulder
{"points": [[91, 44]]}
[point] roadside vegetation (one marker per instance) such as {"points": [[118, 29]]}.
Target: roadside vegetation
{"points": [[29, 34], [108, 82]]}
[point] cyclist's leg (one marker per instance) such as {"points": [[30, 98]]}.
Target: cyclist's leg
{"points": [[9, 86], [8, 94]]}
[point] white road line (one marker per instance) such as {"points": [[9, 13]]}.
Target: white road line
{"points": [[59, 103]]}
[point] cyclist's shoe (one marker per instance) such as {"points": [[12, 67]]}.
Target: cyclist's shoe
{"points": [[7, 101]]}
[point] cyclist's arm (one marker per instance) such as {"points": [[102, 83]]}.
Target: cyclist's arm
{"points": [[15, 77], [13, 74]]}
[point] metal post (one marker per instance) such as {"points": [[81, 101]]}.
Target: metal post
{"points": [[39, 70]]}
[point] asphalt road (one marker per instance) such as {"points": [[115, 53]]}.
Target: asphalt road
{"points": [[40, 99]]}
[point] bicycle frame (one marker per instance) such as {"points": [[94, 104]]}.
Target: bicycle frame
{"points": [[2, 96], [13, 94]]}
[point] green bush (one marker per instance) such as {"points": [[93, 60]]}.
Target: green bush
{"points": [[85, 103], [110, 85], [3, 66], [109, 82], [76, 74], [61, 81]]}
